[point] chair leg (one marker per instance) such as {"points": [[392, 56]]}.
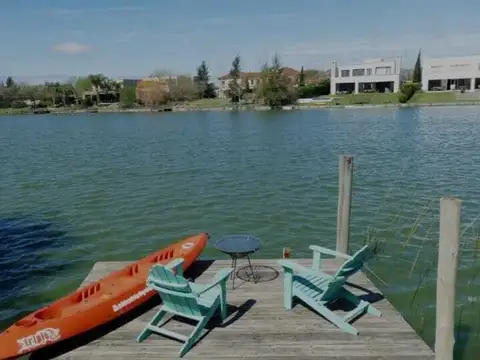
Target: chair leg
{"points": [[194, 336], [337, 320], [355, 300], [373, 311], [156, 319], [223, 301]]}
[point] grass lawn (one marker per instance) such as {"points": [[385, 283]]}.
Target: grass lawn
{"points": [[206, 103], [15, 111], [433, 97], [366, 99]]}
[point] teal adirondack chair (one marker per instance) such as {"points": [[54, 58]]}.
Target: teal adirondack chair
{"points": [[185, 299], [318, 290]]}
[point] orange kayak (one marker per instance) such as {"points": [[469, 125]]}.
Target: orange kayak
{"points": [[95, 303]]}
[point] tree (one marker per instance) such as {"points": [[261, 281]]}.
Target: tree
{"points": [[98, 82], [202, 81], [51, 91], [9, 83], [74, 86], [235, 86], [152, 92], [247, 89], [182, 88], [313, 90], [301, 78], [9, 97], [68, 94], [417, 71], [56, 92], [275, 89], [128, 96], [407, 91], [33, 95], [80, 86]]}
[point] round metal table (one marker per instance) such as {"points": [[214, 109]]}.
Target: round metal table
{"points": [[237, 247]]}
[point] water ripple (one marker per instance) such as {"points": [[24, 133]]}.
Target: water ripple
{"points": [[80, 189]]}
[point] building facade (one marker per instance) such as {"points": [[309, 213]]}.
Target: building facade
{"points": [[452, 73], [253, 79], [377, 75]]}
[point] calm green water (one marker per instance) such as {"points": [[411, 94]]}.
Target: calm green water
{"points": [[84, 188]]}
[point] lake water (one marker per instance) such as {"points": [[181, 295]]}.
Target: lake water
{"points": [[84, 188]]}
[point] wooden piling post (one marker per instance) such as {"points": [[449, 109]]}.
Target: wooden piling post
{"points": [[345, 176], [446, 277]]}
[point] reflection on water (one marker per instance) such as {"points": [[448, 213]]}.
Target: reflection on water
{"points": [[25, 243]]}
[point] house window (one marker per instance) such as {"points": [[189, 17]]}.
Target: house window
{"points": [[358, 72], [345, 73], [383, 70], [369, 72]]}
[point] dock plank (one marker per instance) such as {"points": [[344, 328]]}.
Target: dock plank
{"points": [[259, 327]]}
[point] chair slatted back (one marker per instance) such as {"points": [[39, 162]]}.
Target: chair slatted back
{"points": [[174, 290]]}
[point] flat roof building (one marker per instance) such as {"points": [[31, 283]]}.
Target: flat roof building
{"points": [[376, 75], [451, 73]]}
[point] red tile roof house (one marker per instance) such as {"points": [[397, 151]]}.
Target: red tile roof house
{"points": [[253, 78]]}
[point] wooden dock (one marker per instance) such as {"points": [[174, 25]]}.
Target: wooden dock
{"points": [[258, 327]]}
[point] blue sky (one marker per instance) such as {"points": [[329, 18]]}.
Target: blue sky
{"points": [[59, 38]]}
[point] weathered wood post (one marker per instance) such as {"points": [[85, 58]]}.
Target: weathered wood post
{"points": [[345, 176], [446, 277]]}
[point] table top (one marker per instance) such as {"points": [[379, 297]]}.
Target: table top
{"points": [[238, 244]]}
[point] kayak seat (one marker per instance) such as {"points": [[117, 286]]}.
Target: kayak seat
{"points": [[183, 298]]}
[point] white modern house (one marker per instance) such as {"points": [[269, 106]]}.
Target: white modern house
{"points": [[376, 75], [452, 73]]}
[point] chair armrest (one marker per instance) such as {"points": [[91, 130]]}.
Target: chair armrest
{"points": [[220, 278], [291, 266], [294, 267], [322, 250], [222, 275], [176, 266]]}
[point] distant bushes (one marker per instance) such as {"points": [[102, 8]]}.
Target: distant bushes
{"points": [[407, 91], [313, 90]]}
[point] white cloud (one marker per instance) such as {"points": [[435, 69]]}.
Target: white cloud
{"points": [[72, 48]]}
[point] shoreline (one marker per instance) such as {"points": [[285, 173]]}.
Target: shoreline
{"points": [[16, 112]]}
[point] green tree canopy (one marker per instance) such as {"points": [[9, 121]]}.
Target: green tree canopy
{"points": [[301, 78], [128, 96], [275, 89], [234, 86], [9, 83], [205, 88]]}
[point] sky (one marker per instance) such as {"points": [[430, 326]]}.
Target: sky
{"points": [[54, 39]]}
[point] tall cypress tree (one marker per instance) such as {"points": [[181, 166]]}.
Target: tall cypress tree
{"points": [[417, 71], [234, 88], [301, 78]]}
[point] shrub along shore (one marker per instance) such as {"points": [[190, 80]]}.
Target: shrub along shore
{"points": [[276, 89], [418, 100]]}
